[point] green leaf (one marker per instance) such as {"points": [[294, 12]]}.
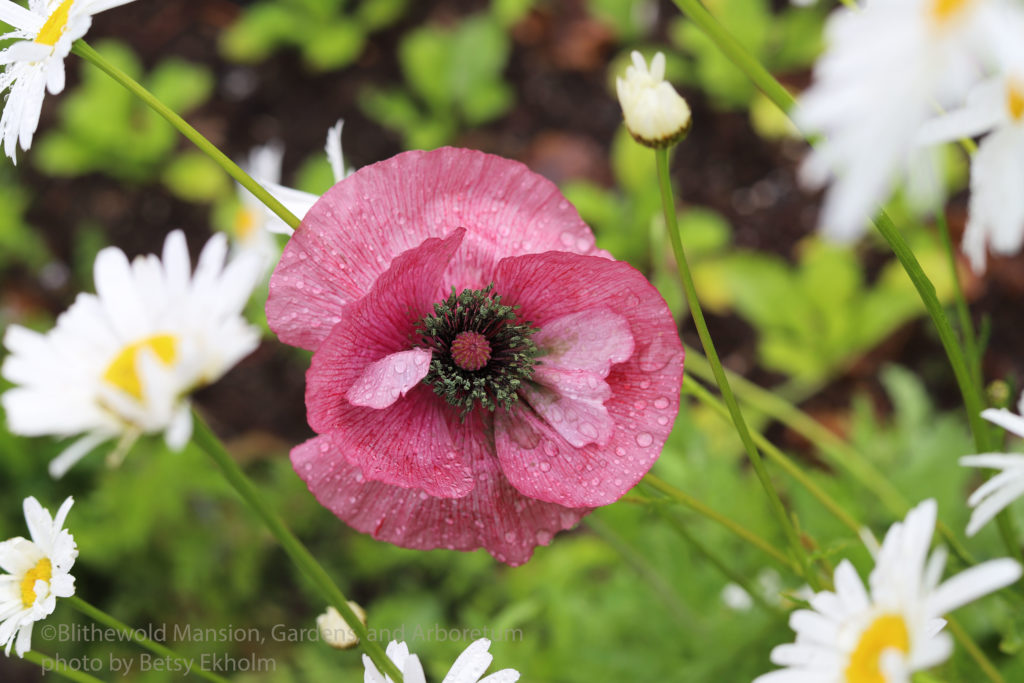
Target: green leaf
{"points": [[334, 45], [195, 177]]}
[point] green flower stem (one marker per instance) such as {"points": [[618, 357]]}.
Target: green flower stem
{"points": [[47, 663], [967, 332], [970, 391], [971, 394], [83, 50], [205, 439], [668, 204], [736, 53], [693, 388], [838, 453], [644, 569], [700, 508], [975, 652], [727, 571], [135, 636]]}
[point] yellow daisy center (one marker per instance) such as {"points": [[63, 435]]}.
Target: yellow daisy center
{"points": [[246, 222], [943, 11], [122, 372], [55, 24], [43, 571], [887, 632], [1015, 97]]}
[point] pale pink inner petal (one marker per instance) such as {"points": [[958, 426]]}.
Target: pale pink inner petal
{"points": [[380, 324], [592, 339], [385, 381], [404, 441], [572, 402], [635, 342]]}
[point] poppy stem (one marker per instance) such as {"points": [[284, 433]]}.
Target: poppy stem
{"points": [[679, 496], [671, 223], [135, 636], [692, 387], [85, 51], [206, 440], [838, 453]]}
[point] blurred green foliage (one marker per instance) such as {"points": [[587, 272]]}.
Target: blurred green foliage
{"points": [[329, 34], [20, 243], [785, 41], [453, 78], [104, 128]]}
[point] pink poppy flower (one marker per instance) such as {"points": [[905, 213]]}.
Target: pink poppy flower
{"points": [[483, 376]]}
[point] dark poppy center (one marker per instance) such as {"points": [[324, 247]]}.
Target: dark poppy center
{"points": [[482, 350]]}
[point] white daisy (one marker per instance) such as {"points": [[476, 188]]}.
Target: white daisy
{"points": [[997, 168], [886, 633], [253, 225], [35, 62], [265, 167], [998, 492], [468, 668], [121, 362], [656, 115], [869, 111], [37, 574]]}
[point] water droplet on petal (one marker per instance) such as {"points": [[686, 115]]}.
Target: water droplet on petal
{"points": [[661, 403], [643, 439]]}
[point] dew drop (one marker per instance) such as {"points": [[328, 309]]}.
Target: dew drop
{"points": [[543, 536], [620, 451], [545, 466], [643, 439], [661, 403]]}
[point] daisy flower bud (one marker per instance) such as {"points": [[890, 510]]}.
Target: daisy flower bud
{"points": [[37, 574], [656, 115], [334, 629], [122, 362]]}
